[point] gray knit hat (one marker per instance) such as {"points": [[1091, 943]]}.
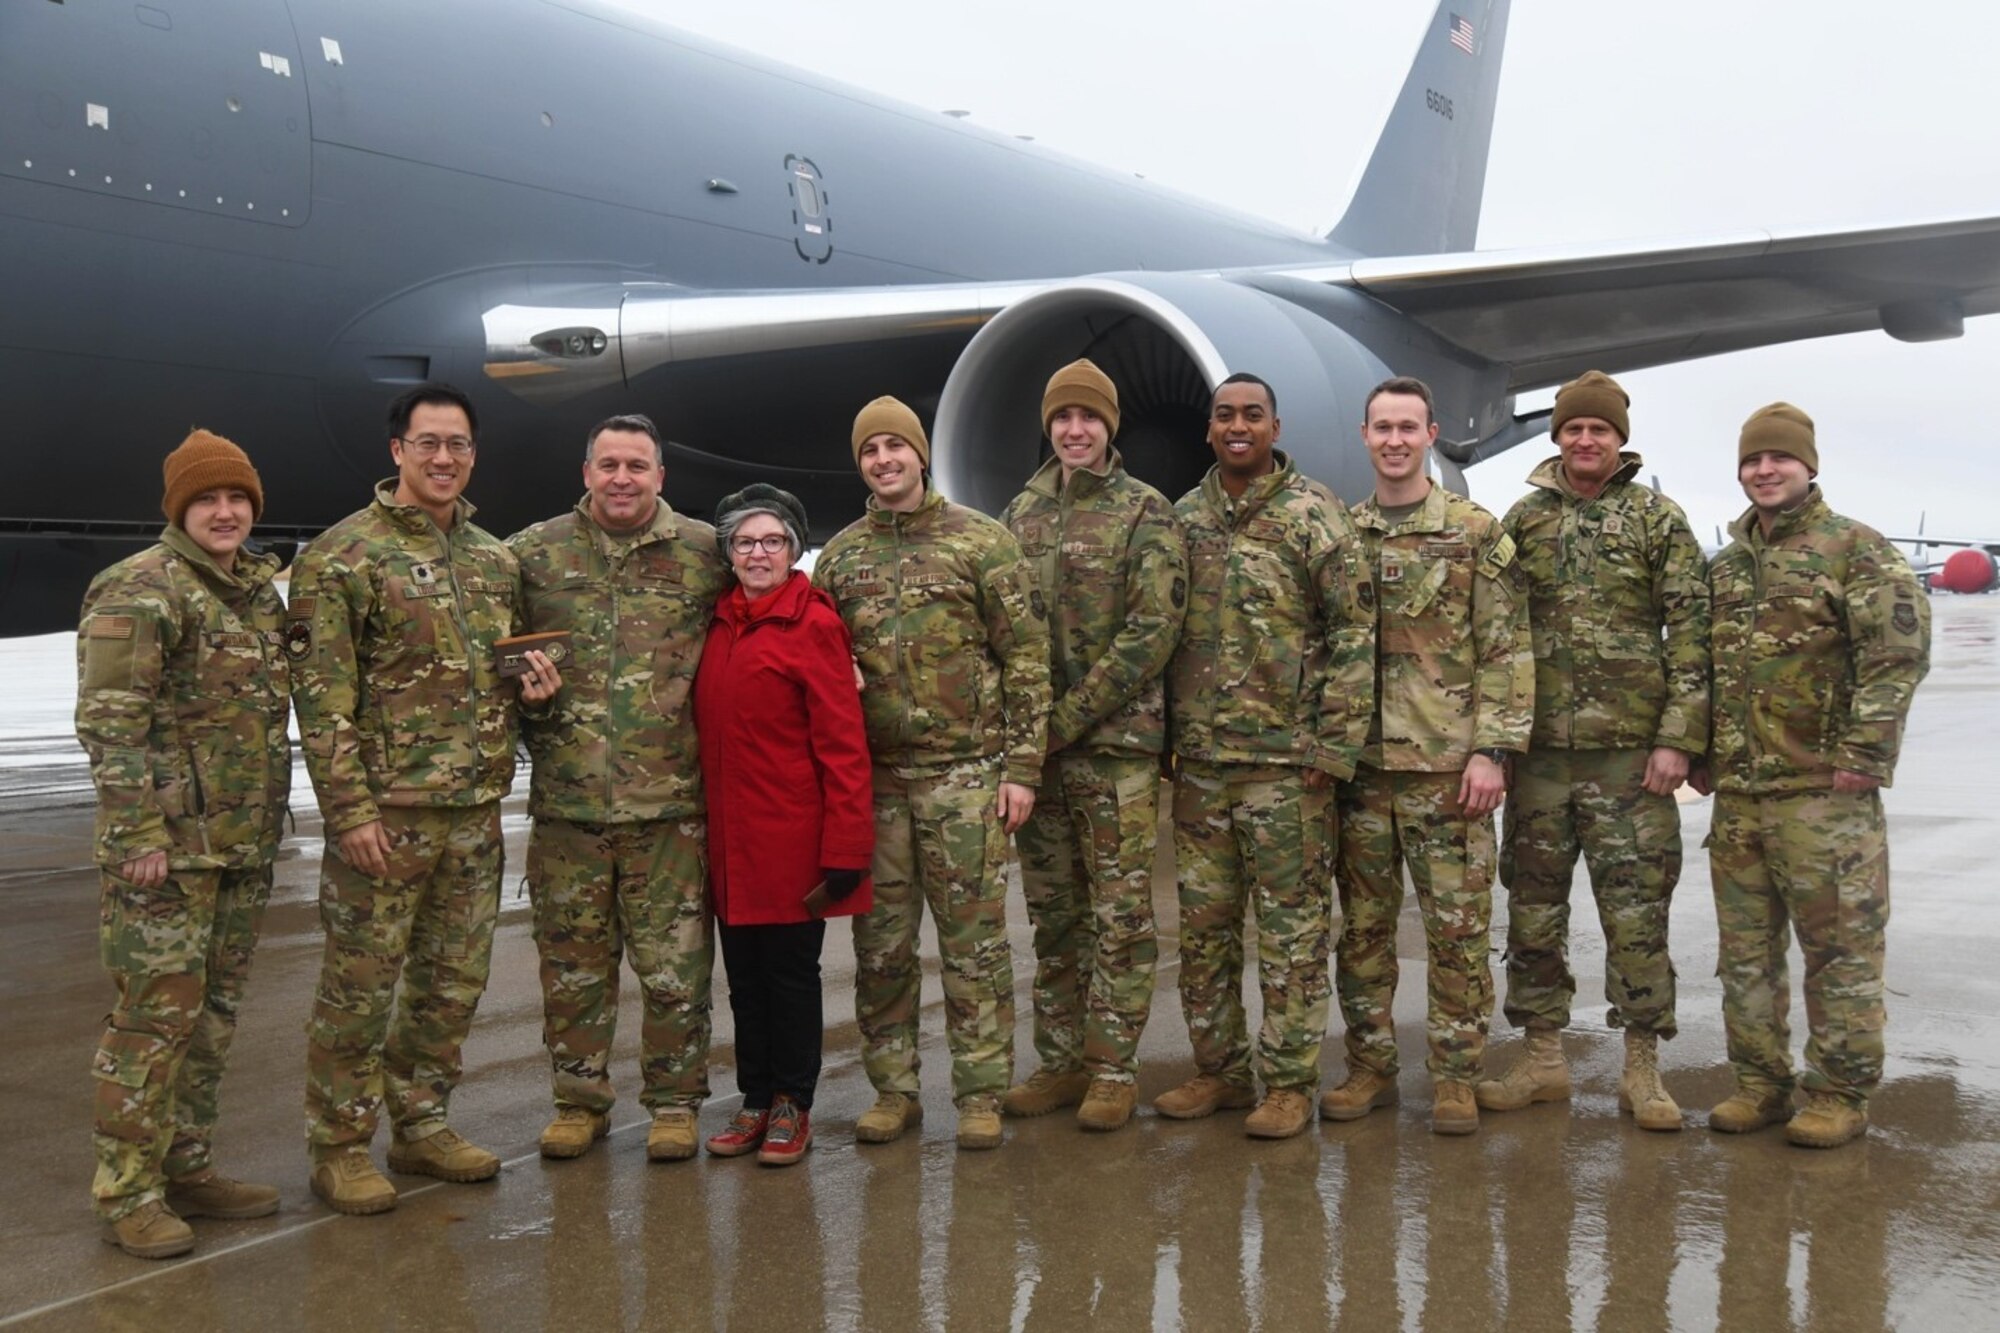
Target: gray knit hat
{"points": [[760, 498]]}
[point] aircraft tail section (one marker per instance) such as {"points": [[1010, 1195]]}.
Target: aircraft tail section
{"points": [[1421, 190]]}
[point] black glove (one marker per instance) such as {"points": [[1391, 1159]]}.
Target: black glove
{"points": [[841, 883]]}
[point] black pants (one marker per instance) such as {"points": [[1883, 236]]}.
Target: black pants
{"points": [[774, 995]]}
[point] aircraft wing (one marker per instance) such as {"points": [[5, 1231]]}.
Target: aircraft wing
{"points": [[1989, 546], [1551, 313]]}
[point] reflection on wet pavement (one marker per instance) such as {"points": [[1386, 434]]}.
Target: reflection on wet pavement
{"points": [[1556, 1217]]}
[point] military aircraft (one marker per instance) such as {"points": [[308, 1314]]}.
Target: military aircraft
{"points": [[267, 216], [1973, 567]]}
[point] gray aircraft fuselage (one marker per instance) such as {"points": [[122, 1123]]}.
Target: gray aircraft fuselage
{"points": [[210, 215]]}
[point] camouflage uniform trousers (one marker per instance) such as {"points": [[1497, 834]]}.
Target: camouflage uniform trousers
{"points": [[427, 924], [937, 841], [1593, 801], [179, 956], [1253, 837], [1389, 818], [1087, 876], [1819, 860], [640, 889]]}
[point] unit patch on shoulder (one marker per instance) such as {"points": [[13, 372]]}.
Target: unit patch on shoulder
{"points": [[1180, 592], [110, 627], [1904, 618], [298, 637]]}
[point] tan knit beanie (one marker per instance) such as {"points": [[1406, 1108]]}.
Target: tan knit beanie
{"points": [[890, 416], [1780, 428], [1593, 394], [1081, 384], [204, 462]]}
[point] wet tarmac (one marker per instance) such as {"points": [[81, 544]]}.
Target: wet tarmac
{"points": [[1558, 1217]]}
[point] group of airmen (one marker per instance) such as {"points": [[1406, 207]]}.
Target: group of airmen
{"points": [[1337, 695]]}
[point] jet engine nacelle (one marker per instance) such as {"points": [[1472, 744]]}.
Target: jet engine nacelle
{"points": [[1970, 570], [1166, 340]]}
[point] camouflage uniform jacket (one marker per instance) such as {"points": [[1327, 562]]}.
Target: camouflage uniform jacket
{"points": [[618, 744], [1456, 671], [1275, 664], [1108, 556], [1821, 634], [950, 633], [1606, 578], [181, 702], [391, 631]]}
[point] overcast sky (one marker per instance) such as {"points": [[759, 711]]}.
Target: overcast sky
{"points": [[1615, 121]]}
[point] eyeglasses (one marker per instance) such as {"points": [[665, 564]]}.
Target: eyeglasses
{"points": [[426, 446], [768, 545]]}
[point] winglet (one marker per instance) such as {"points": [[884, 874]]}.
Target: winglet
{"points": [[1421, 190]]}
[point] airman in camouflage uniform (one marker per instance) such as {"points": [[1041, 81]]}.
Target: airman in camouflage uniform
{"points": [[1455, 696], [952, 642], [1618, 601], [409, 736], [1820, 636], [181, 704], [615, 860], [1269, 694], [1108, 557]]}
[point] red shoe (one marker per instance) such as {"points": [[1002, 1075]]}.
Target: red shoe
{"points": [[789, 1136], [741, 1135]]}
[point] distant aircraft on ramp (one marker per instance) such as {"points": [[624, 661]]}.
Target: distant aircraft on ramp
{"points": [[267, 216]]}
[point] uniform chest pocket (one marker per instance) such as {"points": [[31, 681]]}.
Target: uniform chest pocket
{"points": [[1093, 567], [489, 608], [1423, 581], [233, 665], [660, 574], [865, 605], [942, 601]]}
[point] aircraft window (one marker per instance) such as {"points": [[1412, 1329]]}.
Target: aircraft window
{"points": [[96, 117], [331, 50], [810, 210]]}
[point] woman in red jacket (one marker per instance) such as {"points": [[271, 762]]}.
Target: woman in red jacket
{"points": [[790, 819]]}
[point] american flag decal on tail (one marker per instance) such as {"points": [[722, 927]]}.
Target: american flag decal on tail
{"points": [[1461, 33]]}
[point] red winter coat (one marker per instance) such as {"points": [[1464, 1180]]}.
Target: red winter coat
{"points": [[784, 759]]}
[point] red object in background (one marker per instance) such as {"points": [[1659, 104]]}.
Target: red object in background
{"points": [[1969, 570]]}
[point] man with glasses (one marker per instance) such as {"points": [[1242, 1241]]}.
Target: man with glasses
{"points": [[408, 731], [615, 861]]}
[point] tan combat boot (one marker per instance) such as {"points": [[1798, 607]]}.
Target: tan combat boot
{"points": [[349, 1183], [573, 1131], [885, 1121], [1283, 1113], [1826, 1121], [445, 1155], [212, 1194], [1363, 1091], [670, 1138], [1746, 1110], [150, 1231], [1046, 1090], [1639, 1088], [1453, 1111], [1540, 1073], [979, 1122], [1108, 1104], [1204, 1095]]}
